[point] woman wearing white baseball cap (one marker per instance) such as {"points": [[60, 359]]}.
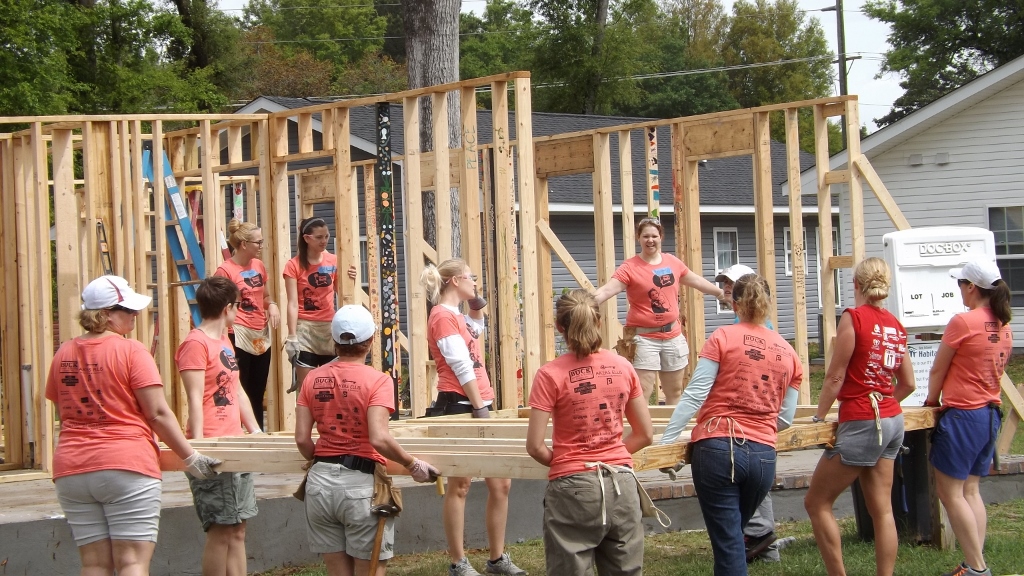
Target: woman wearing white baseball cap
{"points": [[110, 399], [350, 404], [966, 373]]}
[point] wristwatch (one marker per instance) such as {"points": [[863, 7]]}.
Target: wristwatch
{"points": [[815, 419]]}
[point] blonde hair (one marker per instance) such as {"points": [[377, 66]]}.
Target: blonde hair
{"points": [[872, 275], [753, 298], [435, 279], [94, 320], [239, 232], [579, 318]]}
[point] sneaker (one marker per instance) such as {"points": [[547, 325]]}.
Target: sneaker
{"points": [[770, 554], [755, 545], [783, 542], [964, 570], [463, 568], [504, 566]]}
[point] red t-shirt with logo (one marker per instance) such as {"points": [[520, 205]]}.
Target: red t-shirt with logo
{"points": [[443, 322], [315, 287], [216, 358], [983, 347], [338, 394], [653, 293], [92, 381], [252, 283], [880, 349], [755, 367], [587, 400]]}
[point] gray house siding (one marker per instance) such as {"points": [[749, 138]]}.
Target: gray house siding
{"points": [[576, 232]]}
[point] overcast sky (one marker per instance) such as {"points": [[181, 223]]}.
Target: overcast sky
{"points": [[864, 37]]}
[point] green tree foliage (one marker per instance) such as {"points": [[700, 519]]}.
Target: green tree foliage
{"points": [[685, 39], [336, 31], [940, 45], [587, 51], [36, 36], [269, 70], [497, 42]]}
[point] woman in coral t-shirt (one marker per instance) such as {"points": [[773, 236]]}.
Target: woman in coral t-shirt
{"points": [[110, 401], [745, 386], [257, 312], [870, 350], [464, 388], [966, 372], [586, 393], [311, 282], [652, 280]]}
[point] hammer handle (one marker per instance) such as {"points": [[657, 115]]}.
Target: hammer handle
{"points": [[439, 482], [375, 555]]}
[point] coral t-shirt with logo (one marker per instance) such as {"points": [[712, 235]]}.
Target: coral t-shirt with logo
{"points": [[315, 287], [587, 400], [983, 347], [338, 394], [216, 358], [443, 322], [880, 349], [653, 293], [755, 367], [252, 285], [92, 382]]}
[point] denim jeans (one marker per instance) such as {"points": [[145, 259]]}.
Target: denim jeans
{"points": [[729, 489]]}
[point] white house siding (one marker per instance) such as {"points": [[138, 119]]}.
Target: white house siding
{"points": [[985, 144]]}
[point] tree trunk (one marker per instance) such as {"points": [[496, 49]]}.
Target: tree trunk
{"points": [[432, 57], [590, 100]]}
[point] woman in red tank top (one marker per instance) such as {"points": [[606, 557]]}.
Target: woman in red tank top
{"points": [[870, 350]]}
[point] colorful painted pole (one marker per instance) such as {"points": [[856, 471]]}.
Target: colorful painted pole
{"points": [[390, 362], [651, 159]]}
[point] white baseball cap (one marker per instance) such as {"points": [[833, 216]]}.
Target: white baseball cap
{"points": [[981, 273], [733, 273], [109, 291], [354, 320]]}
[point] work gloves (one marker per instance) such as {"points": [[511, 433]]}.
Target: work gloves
{"points": [[201, 466], [291, 348], [422, 471]]}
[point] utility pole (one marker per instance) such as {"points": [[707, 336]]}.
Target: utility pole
{"points": [[841, 40]]}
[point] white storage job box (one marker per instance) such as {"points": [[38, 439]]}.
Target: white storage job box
{"points": [[923, 296]]}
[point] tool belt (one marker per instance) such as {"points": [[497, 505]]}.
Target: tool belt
{"points": [[666, 328], [626, 346], [384, 490], [357, 463]]}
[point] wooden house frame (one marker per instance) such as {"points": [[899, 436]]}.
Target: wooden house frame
{"points": [[38, 173]]}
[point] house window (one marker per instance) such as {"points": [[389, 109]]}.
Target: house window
{"points": [[788, 249], [836, 274], [1007, 225], [727, 253]]}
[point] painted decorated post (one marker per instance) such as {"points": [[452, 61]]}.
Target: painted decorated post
{"points": [[390, 361]]}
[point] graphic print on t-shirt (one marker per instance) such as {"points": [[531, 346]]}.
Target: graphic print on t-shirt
{"points": [[663, 278], [601, 412], [349, 419], [222, 395], [308, 300]]}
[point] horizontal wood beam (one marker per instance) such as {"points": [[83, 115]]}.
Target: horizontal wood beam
{"points": [[837, 262], [725, 137], [837, 177], [564, 157]]}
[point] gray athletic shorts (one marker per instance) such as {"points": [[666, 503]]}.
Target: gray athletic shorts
{"points": [[227, 499], [338, 517], [110, 504], [857, 441]]}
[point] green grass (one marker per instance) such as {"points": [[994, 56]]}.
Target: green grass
{"points": [[690, 553]]}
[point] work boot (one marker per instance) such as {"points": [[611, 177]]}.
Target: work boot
{"points": [[504, 566], [755, 545], [462, 568], [964, 570]]}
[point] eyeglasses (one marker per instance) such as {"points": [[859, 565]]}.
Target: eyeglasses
{"points": [[470, 277], [645, 221], [237, 303], [119, 308], [962, 282], [256, 242], [319, 238]]}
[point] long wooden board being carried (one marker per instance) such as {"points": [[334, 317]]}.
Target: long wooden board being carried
{"points": [[495, 449]]}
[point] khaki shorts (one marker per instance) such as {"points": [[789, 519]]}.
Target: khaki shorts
{"points": [[315, 337], [338, 517], [574, 536], [110, 504], [228, 498], [660, 355]]}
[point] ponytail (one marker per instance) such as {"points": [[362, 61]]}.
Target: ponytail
{"points": [[579, 319], [239, 232], [435, 278], [753, 298], [999, 300], [872, 276]]}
